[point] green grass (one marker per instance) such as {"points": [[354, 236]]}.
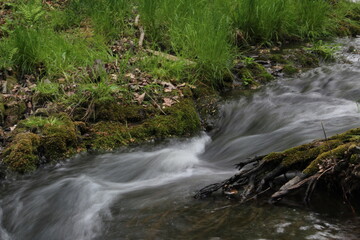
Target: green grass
{"points": [[204, 31], [55, 42], [195, 30], [39, 122], [324, 50], [107, 17], [50, 52]]}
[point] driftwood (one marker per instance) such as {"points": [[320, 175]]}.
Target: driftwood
{"points": [[335, 161]]}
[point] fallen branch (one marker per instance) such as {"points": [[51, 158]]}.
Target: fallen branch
{"points": [[337, 158]]}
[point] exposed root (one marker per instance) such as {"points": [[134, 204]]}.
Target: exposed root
{"points": [[334, 161]]}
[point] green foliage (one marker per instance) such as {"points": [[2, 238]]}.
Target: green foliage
{"points": [[89, 95], [164, 69], [34, 122], [47, 88], [248, 61], [44, 50], [107, 17], [195, 30], [324, 50], [57, 41], [260, 20], [100, 92], [31, 13], [7, 53], [273, 20]]}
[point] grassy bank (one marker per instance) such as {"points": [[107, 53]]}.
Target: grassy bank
{"points": [[86, 74]]}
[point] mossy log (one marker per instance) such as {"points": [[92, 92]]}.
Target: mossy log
{"points": [[334, 161]]}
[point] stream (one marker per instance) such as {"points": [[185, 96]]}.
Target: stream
{"points": [[146, 192]]}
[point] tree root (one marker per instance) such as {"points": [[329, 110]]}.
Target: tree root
{"points": [[335, 161]]}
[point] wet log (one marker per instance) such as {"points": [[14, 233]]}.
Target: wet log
{"points": [[334, 160]]}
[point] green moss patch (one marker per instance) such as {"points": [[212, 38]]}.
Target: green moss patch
{"points": [[180, 120], [59, 136], [2, 111], [122, 113], [14, 110], [309, 157], [22, 155], [59, 140]]}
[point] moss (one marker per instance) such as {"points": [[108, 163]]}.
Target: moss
{"points": [[11, 81], [203, 90], [354, 159], [180, 120], [278, 58], [2, 111], [121, 113], [306, 59], [289, 69], [59, 140], [22, 154], [187, 92], [107, 136], [255, 72], [351, 135], [14, 110], [307, 157], [336, 153], [299, 157]]}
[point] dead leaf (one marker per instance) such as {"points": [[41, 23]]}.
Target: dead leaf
{"points": [[140, 98], [168, 102], [168, 87]]}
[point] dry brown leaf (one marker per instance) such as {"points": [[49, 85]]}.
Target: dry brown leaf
{"points": [[140, 98], [168, 87], [168, 102]]}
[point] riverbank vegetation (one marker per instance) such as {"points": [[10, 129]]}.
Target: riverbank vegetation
{"points": [[86, 74]]}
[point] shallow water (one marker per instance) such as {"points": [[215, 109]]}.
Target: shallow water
{"points": [[146, 193]]}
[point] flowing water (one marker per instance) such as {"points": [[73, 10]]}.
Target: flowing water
{"points": [[146, 193]]}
